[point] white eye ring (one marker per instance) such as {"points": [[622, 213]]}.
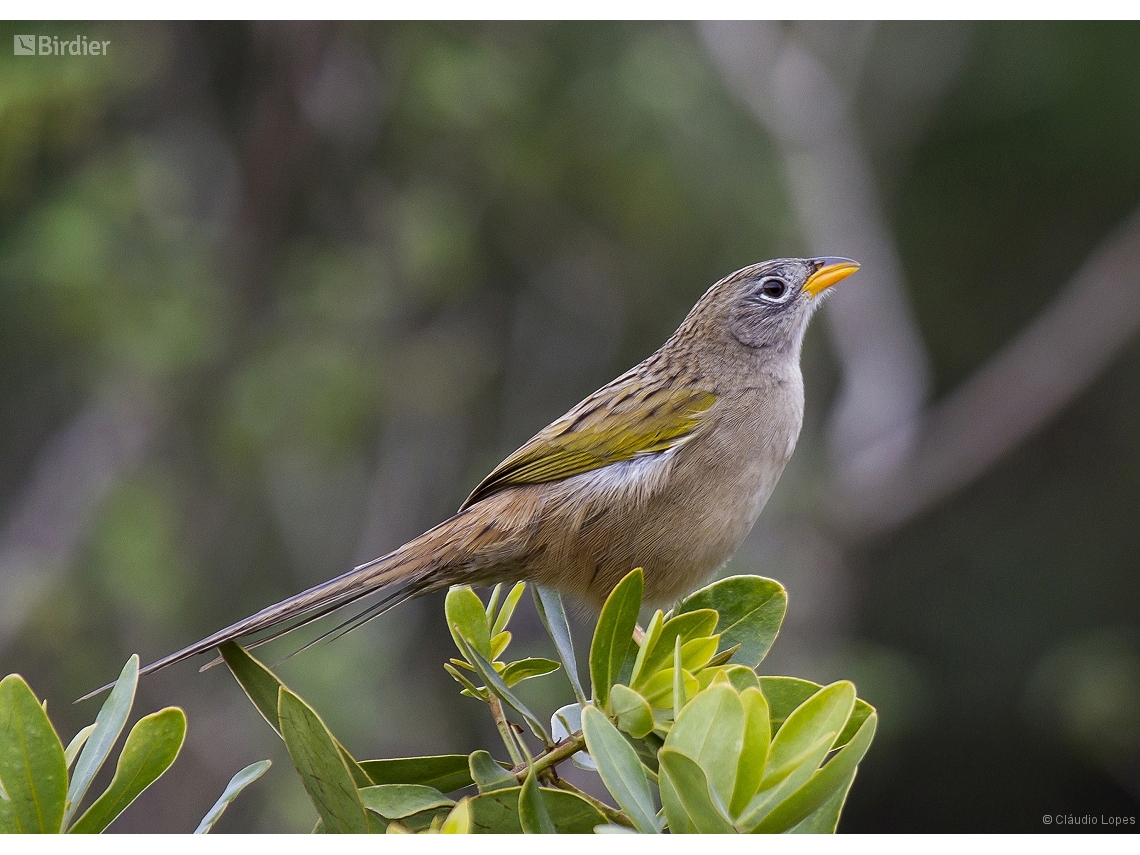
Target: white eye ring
{"points": [[773, 289]]}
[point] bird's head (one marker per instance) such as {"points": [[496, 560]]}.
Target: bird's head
{"points": [[766, 307]]}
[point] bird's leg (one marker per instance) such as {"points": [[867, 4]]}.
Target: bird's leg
{"points": [[638, 634]]}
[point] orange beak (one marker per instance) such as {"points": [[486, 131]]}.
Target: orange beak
{"points": [[828, 271]]}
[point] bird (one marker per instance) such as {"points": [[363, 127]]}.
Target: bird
{"points": [[665, 468]]}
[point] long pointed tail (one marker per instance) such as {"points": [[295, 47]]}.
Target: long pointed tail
{"points": [[431, 561]]}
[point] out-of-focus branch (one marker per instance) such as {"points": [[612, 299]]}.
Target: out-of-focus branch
{"points": [[73, 472], [1013, 395], [834, 193]]}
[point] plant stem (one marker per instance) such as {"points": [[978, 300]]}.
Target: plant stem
{"points": [[505, 730], [548, 759]]}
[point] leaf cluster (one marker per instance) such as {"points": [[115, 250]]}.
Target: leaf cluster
{"points": [[685, 735], [683, 732], [43, 784]]}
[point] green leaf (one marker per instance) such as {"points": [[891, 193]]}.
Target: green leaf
{"points": [[396, 801], [33, 771], [459, 820], [498, 812], [446, 772], [825, 818], [680, 696], [621, 771], [323, 770], [753, 752], [262, 686], [774, 790], [151, 747], [533, 816], [467, 618], [710, 732], [614, 634], [742, 678], [751, 609], [824, 712], [724, 657], [647, 642], [499, 645], [632, 711], [834, 777], [7, 814], [508, 609], [233, 789], [487, 774], [548, 603], [784, 694], [495, 684], [469, 688], [76, 744], [675, 814], [493, 602], [696, 654], [696, 624], [660, 690], [109, 724], [525, 669], [860, 714], [693, 793]]}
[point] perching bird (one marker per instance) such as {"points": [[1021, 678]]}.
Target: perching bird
{"points": [[665, 468]]}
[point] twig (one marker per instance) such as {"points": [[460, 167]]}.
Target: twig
{"points": [[562, 750], [504, 728]]}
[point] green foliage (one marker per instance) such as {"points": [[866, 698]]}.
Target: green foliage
{"points": [[749, 613], [683, 733], [448, 772], [151, 748], [323, 771], [548, 604], [36, 794], [620, 768], [498, 812], [32, 766], [613, 635], [233, 789]]}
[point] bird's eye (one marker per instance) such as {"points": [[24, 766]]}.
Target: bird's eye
{"points": [[774, 289]]}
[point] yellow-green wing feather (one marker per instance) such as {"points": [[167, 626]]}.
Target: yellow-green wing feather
{"points": [[617, 423]]}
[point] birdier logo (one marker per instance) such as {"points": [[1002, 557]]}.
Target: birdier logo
{"points": [[52, 46]]}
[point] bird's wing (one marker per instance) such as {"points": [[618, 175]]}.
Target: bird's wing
{"points": [[619, 422]]}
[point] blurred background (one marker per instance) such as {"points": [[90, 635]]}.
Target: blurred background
{"points": [[275, 297]]}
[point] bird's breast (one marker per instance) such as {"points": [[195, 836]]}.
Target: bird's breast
{"points": [[680, 514]]}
